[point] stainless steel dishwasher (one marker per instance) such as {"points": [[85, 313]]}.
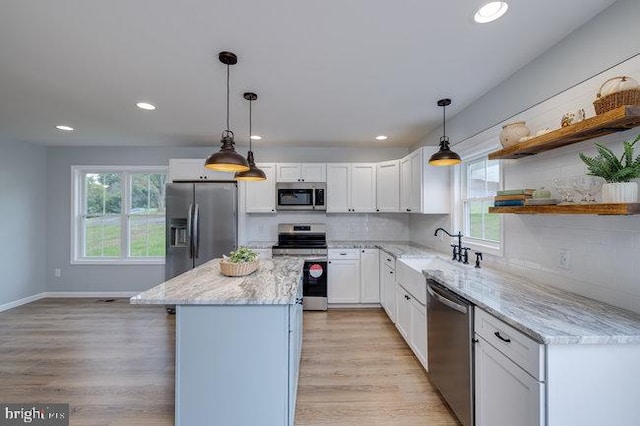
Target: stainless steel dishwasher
{"points": [[450, 334]]}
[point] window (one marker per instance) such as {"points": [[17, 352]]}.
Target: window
{"points": [[119, 214], [481, 181]]}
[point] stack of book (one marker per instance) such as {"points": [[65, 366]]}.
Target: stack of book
{"points": [[512, 197]]}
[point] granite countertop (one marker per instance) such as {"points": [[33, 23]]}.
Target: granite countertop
{"points": [[274, 283], [398, 249], [547, 314]]}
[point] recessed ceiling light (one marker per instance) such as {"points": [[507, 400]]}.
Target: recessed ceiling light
{"points": [[490, 12], [65, 128], [381, 138], [146, 105], [256, 137]]}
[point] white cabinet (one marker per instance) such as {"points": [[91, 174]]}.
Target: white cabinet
{"points": [[301, 172], [192, 169], [509, 375], [343, 276], [369, 276], [388, 186], [388, 284], [260, 196], [351, 187], [353, 276], [505, 394], [411, 321], [423, 188]]}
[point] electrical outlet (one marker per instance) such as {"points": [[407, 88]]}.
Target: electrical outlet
{"points": [[563, 259], [57, 272]]}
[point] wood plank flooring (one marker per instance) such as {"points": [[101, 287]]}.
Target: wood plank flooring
{"points": [[114, 364], [357, 370]]}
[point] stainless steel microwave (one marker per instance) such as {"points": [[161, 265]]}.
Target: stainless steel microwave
{"points": [[301, 196]]}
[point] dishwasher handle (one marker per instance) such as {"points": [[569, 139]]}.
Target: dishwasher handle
{"points": [[445, 300]]}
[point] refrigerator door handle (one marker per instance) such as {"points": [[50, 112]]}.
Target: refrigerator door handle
{"points": [[190, 230], [196, 229]]}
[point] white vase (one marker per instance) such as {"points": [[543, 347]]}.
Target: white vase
{"points": [[620, 192], [512, 132]]}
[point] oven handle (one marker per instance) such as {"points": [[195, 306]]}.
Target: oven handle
{"points": [[446, 301]]}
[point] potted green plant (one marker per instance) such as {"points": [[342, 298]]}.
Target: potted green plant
{"points": [[617, 172], [241, 262]]}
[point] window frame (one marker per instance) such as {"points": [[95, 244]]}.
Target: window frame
{"points": [[478, 244], [78, 201]]}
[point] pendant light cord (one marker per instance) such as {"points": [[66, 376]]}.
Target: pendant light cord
{"points": [[227, 97], [444, 120], [250, 102]]}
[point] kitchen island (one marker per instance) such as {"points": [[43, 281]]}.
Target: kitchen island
{"points": [[238, 342]]}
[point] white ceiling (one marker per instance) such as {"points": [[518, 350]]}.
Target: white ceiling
{"points": [[327, 73]]}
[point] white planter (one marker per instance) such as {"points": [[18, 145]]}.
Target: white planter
{"points": [[622, 192]]}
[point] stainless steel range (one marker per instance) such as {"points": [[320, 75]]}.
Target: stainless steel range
{"points": [[308, 240]]}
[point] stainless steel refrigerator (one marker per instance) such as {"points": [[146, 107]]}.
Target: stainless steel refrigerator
{"points": [[201, 223]]}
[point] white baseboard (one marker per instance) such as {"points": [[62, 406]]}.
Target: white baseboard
{"points": [[354, 306], [60, 294], [90, 294], [22, 301]]}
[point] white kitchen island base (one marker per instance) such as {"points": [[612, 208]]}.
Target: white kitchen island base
{"points": [[237, 364], [238, 343]]}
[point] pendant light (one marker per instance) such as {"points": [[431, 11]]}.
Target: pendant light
{"points": [[444, 156], [254, 173], [227, 159]]}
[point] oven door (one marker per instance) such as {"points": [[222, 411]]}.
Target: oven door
{"points": [[288, 198], [314, 285]]}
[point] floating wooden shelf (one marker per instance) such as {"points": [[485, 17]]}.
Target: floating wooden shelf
{"points": [[600, 209], [616, 120]]}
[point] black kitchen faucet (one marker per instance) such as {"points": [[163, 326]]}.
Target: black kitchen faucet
{"points": [[459, 253]]}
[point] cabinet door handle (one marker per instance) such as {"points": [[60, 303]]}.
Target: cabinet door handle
{"points": [[391, 272], [499, 336]]}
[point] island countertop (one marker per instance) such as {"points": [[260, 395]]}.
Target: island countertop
{"points": [[274, 283]]}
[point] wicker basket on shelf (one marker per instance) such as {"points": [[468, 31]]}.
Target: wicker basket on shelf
{"points": [[613, 100], [238, 269]]}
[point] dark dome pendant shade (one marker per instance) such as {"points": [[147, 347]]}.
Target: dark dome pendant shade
{"points": [[227, 159], [444, 156], [254, 174]]}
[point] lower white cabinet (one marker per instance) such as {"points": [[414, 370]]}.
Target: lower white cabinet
{"points": [[343, 276], [369, 276], [519, 381], [353, 276], [505, 394], [388, 284], [411, 321]]}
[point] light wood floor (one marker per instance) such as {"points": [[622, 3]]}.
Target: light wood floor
{"points": [[114, 364], [357, 370]]}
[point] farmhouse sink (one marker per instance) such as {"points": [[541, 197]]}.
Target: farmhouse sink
{"points": [[409, 276]]}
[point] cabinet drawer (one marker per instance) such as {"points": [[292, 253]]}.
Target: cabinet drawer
{"points": [[388, 259], [520, 348], [351, 254]]}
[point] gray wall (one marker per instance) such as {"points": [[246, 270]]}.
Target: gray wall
{"points": [[23, 208], [608, 39], [116, 278]]}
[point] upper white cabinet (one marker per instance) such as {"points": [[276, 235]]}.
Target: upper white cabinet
{"points": [[192, 169], [387, 186], [351, 187], [260, 196], [423, 188], [301, 172]]}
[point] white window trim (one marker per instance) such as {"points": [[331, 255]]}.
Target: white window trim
{"points": [[460, 182], [76, 205]]}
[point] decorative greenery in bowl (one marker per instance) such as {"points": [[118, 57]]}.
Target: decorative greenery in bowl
{"points": [[242, 255], [611, 168]]}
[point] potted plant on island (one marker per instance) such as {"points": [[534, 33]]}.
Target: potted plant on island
{"points": [[241, 262], [617, 172]]}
